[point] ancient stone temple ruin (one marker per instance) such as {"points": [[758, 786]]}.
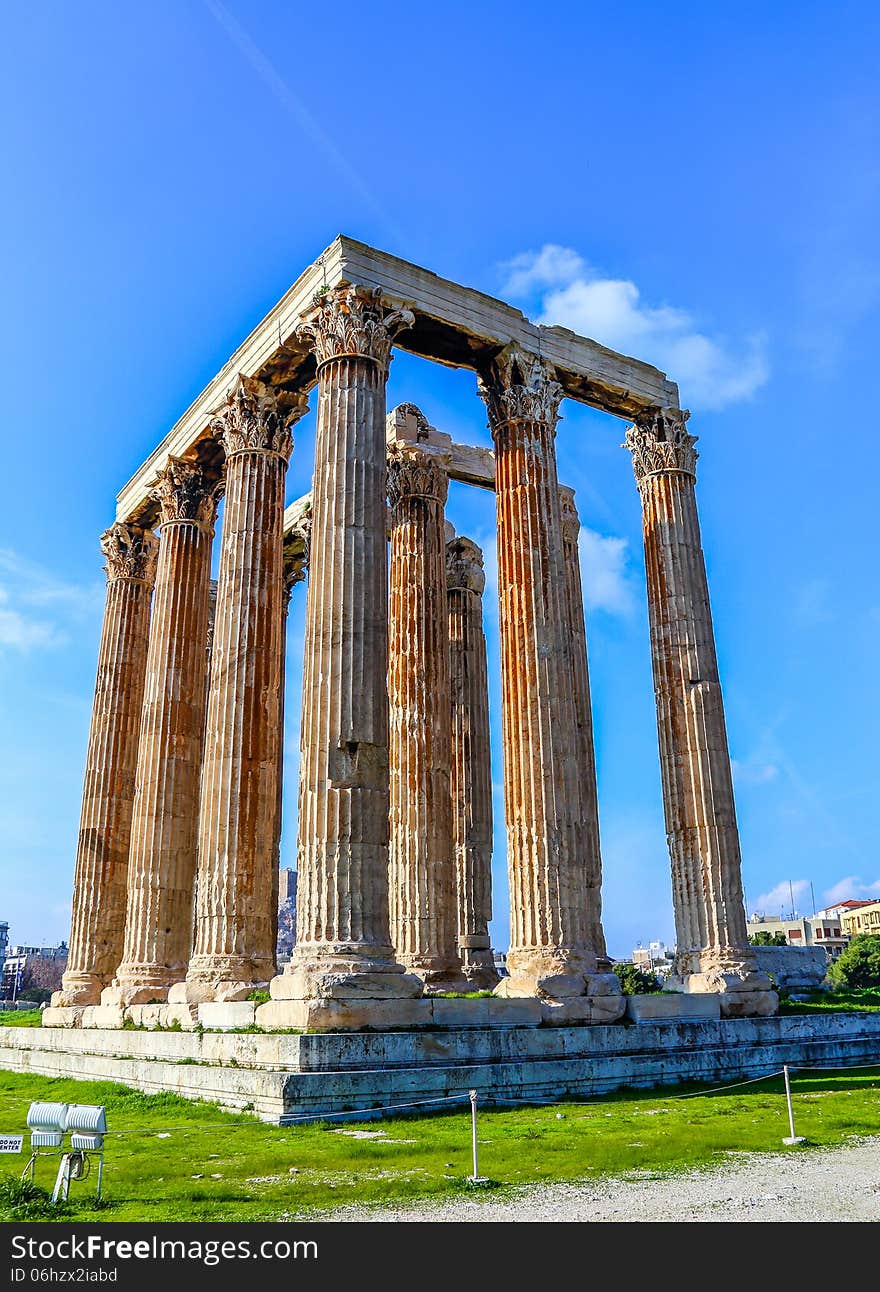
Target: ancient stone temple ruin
{"points": [[175, 889]]}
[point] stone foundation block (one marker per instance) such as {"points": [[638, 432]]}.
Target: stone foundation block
{"points": [[63, 1016], [459, 1013], [221, 1016], [184, 1016], [582, 1009], [146, 1015], [672, 1005], [103, 1016], [524, 1011], [344, 1016]]}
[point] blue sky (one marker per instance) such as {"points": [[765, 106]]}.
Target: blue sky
{"points": [[696, 184]]}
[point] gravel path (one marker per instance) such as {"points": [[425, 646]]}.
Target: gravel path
{"points": [[801, 1184]]}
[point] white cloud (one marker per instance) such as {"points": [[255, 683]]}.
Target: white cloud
{"points": [[753, 771], [31, 601], [604, 573], [779, 898], [570, 292], [851, 887]]}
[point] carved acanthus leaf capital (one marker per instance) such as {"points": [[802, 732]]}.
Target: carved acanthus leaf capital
{"points": [[464, 566], [659, 442], [519, 387], [415, 472], [353, 322], [131, 553], [186, 490], [571, 521], [256, 416]]}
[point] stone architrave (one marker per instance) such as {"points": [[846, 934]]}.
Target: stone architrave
{"points": [[550, 955], [343, 947], [164, 833], [234, 947], [422, 882], [713, 952], [471, 779], [98, 922], [589, 828]]}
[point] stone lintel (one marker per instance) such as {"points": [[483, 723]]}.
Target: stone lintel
{"points": [[454, 325]]}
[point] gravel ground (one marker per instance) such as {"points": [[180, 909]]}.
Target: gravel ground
{"points": [[801, 1184]]}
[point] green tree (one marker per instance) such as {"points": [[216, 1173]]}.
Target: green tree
{"points": [[858, 965], [635, 981], [763, 938]]}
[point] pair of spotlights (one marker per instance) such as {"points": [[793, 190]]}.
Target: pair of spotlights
{"points": [[49, 1123]]}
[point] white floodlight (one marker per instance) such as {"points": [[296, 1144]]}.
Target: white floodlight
{"points": [[47, 1124], [87, 1124]]}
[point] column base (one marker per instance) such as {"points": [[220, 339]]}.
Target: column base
{"points": [[221, 978], [569, 989], [748, 994], [78, 989], [134, 993], [478, 967], [344, 973], [436, 977]]}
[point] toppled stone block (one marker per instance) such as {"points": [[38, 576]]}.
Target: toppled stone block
{"points": [[794, 967]]}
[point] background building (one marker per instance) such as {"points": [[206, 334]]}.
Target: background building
{"points": [[820, 930], [29, 968], [863, 918], [286, 915], [656, 958]]}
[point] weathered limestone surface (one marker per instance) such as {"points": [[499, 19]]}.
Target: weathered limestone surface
{"points": [[713, 949], [164, 831], [471, 779], [97, 926], [343, 941], [586, 756], [235, 924], [550, 953], [422, 887]]}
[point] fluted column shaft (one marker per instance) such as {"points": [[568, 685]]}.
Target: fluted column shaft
{"points": [[342, 849], [235, 924], [586, 756], [98, 920], [424, 925], [471, 769], [162, 858], [550, 951], [698, 798]]}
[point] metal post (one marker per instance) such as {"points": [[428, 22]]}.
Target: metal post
{"points": [[473, 1095], [100, 1172], [791, 1138]]}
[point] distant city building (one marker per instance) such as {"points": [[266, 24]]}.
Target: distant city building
{"points": [[820, 930], [286, 914], [4, 939], [656, 957], [841, 908], [33, 966], [864, 918]]}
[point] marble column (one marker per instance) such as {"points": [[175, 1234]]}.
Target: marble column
{"points": [[421, 875], [550, 955], [713, 952], [571, 528], [343, 948], [98, 922], [471, 768], [234, 947], [164, 832]]}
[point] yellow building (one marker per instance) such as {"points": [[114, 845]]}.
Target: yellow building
{"points": [[864, 918]]}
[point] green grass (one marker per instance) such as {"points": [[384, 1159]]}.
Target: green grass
{"points": [[821, 1002], [20, 1018], [269, 1173]]}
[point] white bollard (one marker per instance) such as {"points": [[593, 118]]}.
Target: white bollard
{"points": [[790, 1139]]}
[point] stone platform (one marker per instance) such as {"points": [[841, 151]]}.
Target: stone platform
{"points": [[284, 1077]]}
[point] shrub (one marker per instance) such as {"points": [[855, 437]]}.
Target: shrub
{"points": [[859, 964], [635, 981], [763, 938]]}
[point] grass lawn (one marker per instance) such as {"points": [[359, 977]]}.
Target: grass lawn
{"points": [[822, 1002], [20, 1018], [171, 1159]]}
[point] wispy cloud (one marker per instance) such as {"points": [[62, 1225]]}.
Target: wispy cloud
{"points": [[851, 887], [568, 291], [604, 573], [753, 771], [34, 604], [779, 898]]}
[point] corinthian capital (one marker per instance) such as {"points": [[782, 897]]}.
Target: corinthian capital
{"points": [[521, 387], [353, 322], [659, 442], [416, 473], [464, 566], [256, 416], [187, 491], [131, 553], [571, 521]]}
